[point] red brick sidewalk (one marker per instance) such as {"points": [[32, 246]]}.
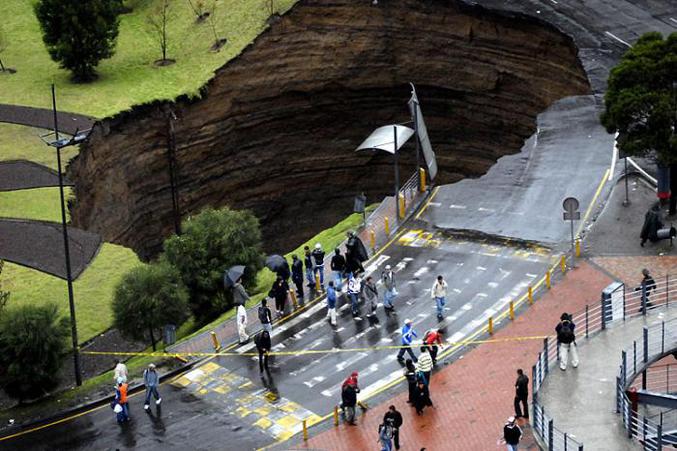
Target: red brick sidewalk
{"points": [[629, 269], [474, 396]]}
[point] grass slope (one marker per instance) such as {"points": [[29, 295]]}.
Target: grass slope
{"points": [[93, 289], [129, 77], [18, 142], [43, 204]]}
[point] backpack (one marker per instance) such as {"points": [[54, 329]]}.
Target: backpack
{"points": [[263, 315], [566, 334], [386, 430]]}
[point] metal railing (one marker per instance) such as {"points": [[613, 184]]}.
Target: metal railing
{"points": [[656, 342], [658, 378], [594, 318]]}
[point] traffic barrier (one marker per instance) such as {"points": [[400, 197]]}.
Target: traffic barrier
{"points": [[336, 416], [578, 248], [386, 224], [512, 310], [403, 205], [490, 327], [215, 341], [294, 300], [531, 295], [317, 281], [305, 430], [372, 239], [421, 180], [548, 276], [563, 264]]}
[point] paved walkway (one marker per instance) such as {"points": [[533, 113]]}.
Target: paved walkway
{"points": [[474, 396], [581, 401], [43, 118]]}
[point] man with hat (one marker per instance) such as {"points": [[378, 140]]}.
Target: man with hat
{"points": [[511, 434], [388, 279], [151, 378]]}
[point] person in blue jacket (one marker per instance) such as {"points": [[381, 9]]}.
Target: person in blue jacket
{"points": [[408, 334]]}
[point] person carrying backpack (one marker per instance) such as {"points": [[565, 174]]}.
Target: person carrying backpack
{"points": [[266, 317], [394, 419], [385, 435], [566, 342], [512, 434]]}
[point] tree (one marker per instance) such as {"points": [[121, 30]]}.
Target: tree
{"points": [[3, 46], [212, 242], [147, 298], [641, 103], [32, 343], [78, 34], [198, 8], [211, 15], [158, 20]]}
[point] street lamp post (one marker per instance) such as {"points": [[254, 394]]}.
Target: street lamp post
{"points": [[397, 175], [59, 144]]}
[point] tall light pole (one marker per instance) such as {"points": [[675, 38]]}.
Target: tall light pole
{"points": [[59, 144]]}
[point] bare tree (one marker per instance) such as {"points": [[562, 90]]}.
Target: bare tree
{"points": [[158, 20], [199, 10], [211, 14]]}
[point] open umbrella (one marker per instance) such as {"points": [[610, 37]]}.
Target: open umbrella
{"points": [[276, 263], [232, 275]]}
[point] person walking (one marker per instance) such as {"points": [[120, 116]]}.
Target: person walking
{"points": [[151, 379], [265, 316], [512, 434], [385, 436], [370, 295], [240, 296], [394, 418], [279, 291], [410, 375], [120, 406], [408, 334], [120, 371], [318, 260], [388, 279], [242, 324], [566, 341], [308, 261], [425, 365], [348, 402], [422, 398], [356, 253], [522, 394], [338, 267], [439, 294], [646, 286], [297, 276], [331, 303], [432, 339], [263, 345], [354, 290]]}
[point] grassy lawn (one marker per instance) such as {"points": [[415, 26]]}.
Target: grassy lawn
{"points": [[329, 238], [18, 142], [129, 77], [93, 289], [42, 204]]}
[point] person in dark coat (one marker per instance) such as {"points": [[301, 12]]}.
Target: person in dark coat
{"points": [[410, 375], [652, 224], [279, 292], [646, 286], [394, 417], [263, 345], [297, 275], [310, 266], [348, 402], [318, 259], [512, 434], [338, 267], [356, 253], [521, 394], [422, 397]]}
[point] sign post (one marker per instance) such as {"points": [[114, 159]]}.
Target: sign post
{"points": [[571, 214]]}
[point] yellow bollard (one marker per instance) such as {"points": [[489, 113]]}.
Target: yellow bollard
{"points": [[372, 239], [421, 178], [215, 341], [491, 326], [294, 301], [563, 264], [317, 281], [547, 279], [305, 430], [512, 311], [403, 205], [531, 295], [387, 225], [578, 248], [336, 416]]}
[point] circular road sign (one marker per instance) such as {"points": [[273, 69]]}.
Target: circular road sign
{"points": [[570, 204]]}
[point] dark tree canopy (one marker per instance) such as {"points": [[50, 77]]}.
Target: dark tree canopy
{"points": [[147, 298], [32, 344], [79, 33], [641, 102], [212, 242]]}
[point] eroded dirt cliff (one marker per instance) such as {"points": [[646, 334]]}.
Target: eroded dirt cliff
{"points": [[277, 127]]}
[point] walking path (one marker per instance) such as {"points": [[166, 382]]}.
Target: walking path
{"points": [[474, 396], [44, 118], [582, 400], [22, 174]]}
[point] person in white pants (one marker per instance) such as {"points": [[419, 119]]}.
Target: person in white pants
{"points": [[564, 350], [242, 324], [566, 341]]}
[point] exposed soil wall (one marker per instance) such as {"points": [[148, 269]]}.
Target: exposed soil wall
{"points": [[277, 127]]}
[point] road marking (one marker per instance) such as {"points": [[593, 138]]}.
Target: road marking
{"points": [[434, 204], [531, 276], [490, 210], [418, 215], [492, 284], [466, 307], [456, 290], [617, 38], [460, 207], [674, 20], [421, 271], [432, 262], [480, 268]]}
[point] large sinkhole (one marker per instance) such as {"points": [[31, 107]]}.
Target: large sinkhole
{"points": [[276, 128]]}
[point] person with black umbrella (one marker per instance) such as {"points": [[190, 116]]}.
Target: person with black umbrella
{"points": [[279, 292], [297, 275], [240, 296], [356, 253]]}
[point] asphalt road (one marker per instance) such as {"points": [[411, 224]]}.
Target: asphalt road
{"points": [[519, 198]]}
